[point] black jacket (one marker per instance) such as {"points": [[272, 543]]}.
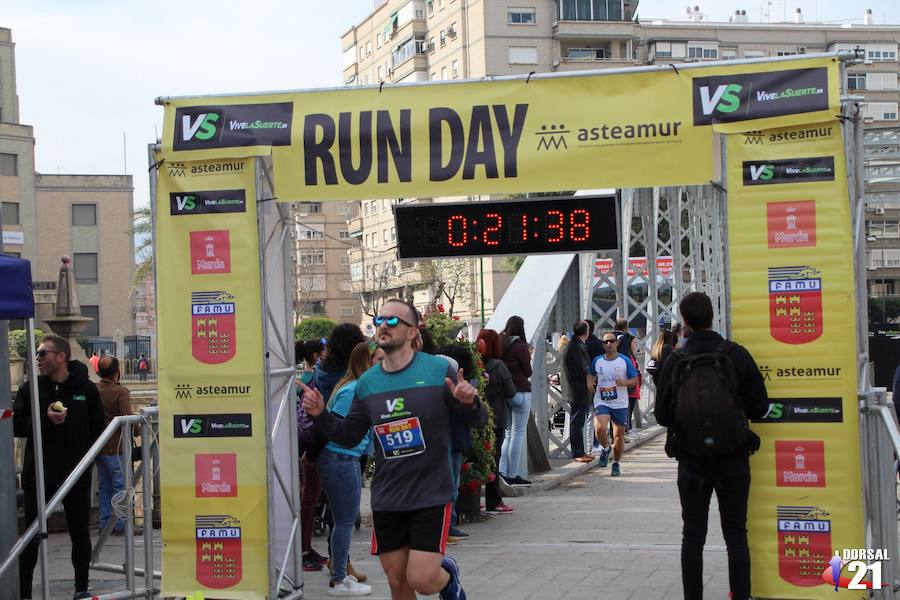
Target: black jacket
{"points": [[594, 347], [749, 386], [499, 390], [64, 445], [576, 363]]}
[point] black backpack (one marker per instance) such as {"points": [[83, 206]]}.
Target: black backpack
{"points": [[710, 420]]}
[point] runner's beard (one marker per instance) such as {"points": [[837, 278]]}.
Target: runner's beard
{"points": [[391, 344]]}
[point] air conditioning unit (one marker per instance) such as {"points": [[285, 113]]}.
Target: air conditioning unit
{"points": [[869, 120], [451, 31], [801, 50], [879, 210], [870, 208]]}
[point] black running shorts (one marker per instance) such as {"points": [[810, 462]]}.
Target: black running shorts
{"points": [[424, 529]]}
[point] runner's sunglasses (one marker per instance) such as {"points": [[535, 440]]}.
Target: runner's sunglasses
{"points": [[390, 321]]}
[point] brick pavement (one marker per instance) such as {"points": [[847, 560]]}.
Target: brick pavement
{"points": [[591, 537]]}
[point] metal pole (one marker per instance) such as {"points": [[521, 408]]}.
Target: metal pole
{"points": [[9, 583], [481, 269], [146, 481], [37, 444], [127, 440]]}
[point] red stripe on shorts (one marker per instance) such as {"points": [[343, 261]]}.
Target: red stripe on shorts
{"points": [[374, 543], [445, 527]]}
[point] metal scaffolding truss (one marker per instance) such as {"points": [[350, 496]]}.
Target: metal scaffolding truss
{"points": [[686, 224]]}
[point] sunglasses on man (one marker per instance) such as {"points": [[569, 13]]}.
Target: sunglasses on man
{"points": [[610, 341], [390, 321], [43, 352]]}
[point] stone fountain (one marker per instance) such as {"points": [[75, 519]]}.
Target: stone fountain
{"points": [[67, 319]]}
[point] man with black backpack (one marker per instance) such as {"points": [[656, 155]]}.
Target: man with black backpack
{"points": [[706, 392]]}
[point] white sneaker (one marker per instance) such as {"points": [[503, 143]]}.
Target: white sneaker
{"points": [[349, 587]]}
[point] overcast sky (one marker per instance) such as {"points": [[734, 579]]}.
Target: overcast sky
{"points": [[88, 70]]}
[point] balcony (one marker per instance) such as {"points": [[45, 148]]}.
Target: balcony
{"points": [[355, 227], [593, 30]]}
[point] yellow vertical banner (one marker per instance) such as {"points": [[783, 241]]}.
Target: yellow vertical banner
{"points": [[211, 389], [792, 305]]}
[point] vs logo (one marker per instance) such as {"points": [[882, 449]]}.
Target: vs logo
{"points": [[395, 405], [191, 426], [762, 172], [725, 99], [203, 126]]}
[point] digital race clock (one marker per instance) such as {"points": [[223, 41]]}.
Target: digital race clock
{"points": [[534, 226]]}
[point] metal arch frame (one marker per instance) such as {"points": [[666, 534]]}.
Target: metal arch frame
{"points": [[283, 489]]}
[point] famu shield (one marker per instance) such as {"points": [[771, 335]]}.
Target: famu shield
{"points": [[795, 304], [212, 327], [218, 550], [804, 544]]}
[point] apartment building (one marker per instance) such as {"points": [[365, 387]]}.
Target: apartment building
{"points": [[88, 217], [424, 40], [321, 242]]}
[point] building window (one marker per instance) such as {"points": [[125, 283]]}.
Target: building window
{"points": [[406, 50], [356, 272], [881, 53], [378, 40], [345, 260], [393, 234], [312, 257], [430, 5], [346, 311], [591, 10], [9, 164], [728, 53], [881, 111], [385, 235], [314, 307], [368, 48], [443, 73], [520, 16], [92, 311], [703, 51], [856, 81], [881, 81], [379, 73], [754, 53], [454, 68], [443, 36], [10, 213], [309, 208], [344, 234], [523, 55], [86, 267], [314, 231], [431, 44], [84, 214], [343, 209], [587, 54]]}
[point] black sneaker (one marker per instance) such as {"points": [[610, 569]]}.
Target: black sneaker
{"points": [[310, 564], [82, 595], [457, 533], [312, 554], [520, 481]]}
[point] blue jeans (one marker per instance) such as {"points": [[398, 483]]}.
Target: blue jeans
{"points": [[514, 441], [340, 477], [111, 482], [455, 466]]}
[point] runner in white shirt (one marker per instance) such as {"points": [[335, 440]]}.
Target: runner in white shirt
{"points": [[612, 374]]}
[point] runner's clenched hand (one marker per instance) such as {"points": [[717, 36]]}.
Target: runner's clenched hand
{"points": [[313, 402], [462, 390]]}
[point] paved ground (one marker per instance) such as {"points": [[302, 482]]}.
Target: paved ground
{"points": [[590, 537]]}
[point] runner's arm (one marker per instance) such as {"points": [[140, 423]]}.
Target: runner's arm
{"points": [[350, 430]]}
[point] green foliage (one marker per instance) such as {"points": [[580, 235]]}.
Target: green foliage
{"points": [[142, 229], [18, 341], [884, 309], [512, 263], [442, 327], [313, 328]]}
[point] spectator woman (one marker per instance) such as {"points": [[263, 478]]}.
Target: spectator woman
{"points": [[328, 371], [339, 469], [517, 357], [663, 346], [499, 391]]}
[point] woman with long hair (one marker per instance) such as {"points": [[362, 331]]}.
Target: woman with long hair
{"points": [[499, 390], [328, 371], [517, 357], [664, 345], [339, 469]]}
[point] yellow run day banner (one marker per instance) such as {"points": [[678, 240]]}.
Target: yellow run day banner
{"points": [[641, 128], [792, 305], [212, 420]]}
